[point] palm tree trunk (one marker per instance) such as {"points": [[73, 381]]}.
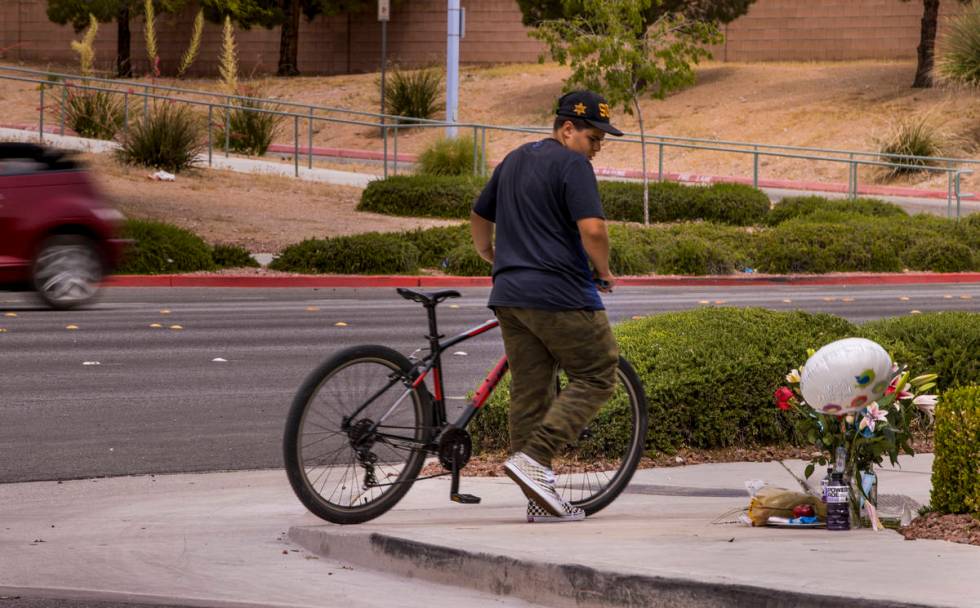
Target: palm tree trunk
{"points": [[927, 44], [289, 40], [124, 64]]}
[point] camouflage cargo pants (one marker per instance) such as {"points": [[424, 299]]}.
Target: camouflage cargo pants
{"points": [[538, 342]]}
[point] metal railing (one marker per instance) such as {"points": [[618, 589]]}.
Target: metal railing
{"points": [[391, 125]]}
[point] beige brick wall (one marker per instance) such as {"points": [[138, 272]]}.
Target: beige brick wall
{"points": [[773, 30]]}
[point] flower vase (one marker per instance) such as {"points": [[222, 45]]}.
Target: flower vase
{"points": [[864, 490]]}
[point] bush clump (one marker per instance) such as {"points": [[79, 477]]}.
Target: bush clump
{"points": [[799, 246], [169, 137], [370, 253], [958, 59], [956, 470], [451, 156], [422, 196], [945, 343], [252, 125], [162, 248], [802, 206], [233, 256], [414, 94], [94, 114]]}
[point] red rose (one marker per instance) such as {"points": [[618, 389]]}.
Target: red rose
{"points": [[783, 397]]}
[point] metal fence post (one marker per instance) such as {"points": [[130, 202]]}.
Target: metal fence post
{"points": [[949, 193], [958, 195], [384, 136], [484, 168], [126, 112], [40, 118], [210, 142], [64, 102], [851, 178], [755, 167], [395, 137], [660, 162], [476, 160], [309, 142], [296, 145], [227, 126], [146, 102]]}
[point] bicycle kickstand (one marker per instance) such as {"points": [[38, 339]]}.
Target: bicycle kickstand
{"points": [[454, 495]]}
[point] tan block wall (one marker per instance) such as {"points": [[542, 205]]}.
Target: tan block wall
{"points": [[773, 30]]}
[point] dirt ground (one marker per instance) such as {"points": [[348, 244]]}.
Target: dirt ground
{"points": [[846, 105], [263, 213]]}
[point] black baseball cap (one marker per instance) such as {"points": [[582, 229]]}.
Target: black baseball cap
{"points": [[588, 106]]}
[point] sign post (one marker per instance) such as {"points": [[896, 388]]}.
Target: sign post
{"points": [[384, 15], [452, 68]]}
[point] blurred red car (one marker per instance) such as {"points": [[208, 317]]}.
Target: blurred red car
{"points": [[57, 235]]}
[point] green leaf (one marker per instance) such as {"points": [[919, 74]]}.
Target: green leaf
{"points": [[809, 470]]}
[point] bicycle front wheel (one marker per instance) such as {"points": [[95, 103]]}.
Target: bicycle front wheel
{"points": [[591, 474], [355, 435]]}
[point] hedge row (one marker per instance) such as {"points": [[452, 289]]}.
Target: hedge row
{"points": [[710, 373], [162, 248], [956, 470], [810, 244], [452, 197]]}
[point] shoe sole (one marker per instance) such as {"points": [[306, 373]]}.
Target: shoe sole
{"points": [[544, 519], [530, 489]]}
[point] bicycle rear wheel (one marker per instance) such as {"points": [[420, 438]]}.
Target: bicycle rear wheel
{"points": [[591, 474], [355, 435]]}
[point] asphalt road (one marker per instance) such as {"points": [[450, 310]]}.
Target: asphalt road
{"points": [[116, 396]]}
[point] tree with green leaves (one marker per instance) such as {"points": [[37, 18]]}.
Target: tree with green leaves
{"points": [[76, 12], [717, 11], [613, 50], [289, 39], [927, 42]]}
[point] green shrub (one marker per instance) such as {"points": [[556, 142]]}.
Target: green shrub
{"points": [[369, 253], [233, 256], [945, 343], [414, 94], [709, 375], [163, 248], [447, 156], [422, 196], [735, 204], [691, 255], [958, 59], [169, 137], [939, 255], [670, 202], [798, 246], [628, 255], [956, 469], [251, 126], [466, 262], [799, 206], [910, 137], [435, 244], [94, 114]]}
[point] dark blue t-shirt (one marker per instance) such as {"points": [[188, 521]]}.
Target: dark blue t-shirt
{"points": [[535, 197]]}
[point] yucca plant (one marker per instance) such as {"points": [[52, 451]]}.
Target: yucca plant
{"points": [[414, 94], [169, 137], [150, 37], [194, 47], [915, 136], [447, 156], [85, 48], [958, 59], [251, 124], [94, 114]]}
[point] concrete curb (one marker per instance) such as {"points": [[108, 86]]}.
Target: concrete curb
{"points": [[359, 281], [72, 595], [558, 585]]}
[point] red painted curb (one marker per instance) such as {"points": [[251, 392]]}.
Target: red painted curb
{"points": [[355, 281]]}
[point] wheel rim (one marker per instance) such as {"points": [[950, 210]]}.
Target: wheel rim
{"points": [[68, 273], [330, 466], [581, 477]]}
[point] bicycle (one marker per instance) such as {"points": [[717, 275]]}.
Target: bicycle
{"points": [[350, 419]]}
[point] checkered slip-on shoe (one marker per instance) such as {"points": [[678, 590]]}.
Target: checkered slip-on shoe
{"points": [[537, 481], [537, 515]]}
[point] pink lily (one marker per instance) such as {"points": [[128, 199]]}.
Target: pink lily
{"points": [[873, 415]]}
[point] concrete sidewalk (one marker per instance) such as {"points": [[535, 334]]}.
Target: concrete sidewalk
{"points": [[232, 538]]}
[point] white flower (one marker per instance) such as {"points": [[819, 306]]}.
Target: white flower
{"points": [[793, 377], [926, 403], [849, 419]]}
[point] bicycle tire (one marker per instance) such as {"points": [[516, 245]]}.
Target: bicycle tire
{"points": [[638, 404], [292, 447]]}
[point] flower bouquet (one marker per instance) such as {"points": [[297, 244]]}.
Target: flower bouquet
{"points": [[874, 420]]}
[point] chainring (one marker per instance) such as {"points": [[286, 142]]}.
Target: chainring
{"points": [[455, 444]]}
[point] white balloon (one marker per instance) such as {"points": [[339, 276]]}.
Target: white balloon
{"points": [[846, 376]]}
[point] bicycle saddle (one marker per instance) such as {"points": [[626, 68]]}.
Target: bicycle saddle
{"points": [[429, 298]]}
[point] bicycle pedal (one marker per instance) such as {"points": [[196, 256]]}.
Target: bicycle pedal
{"points": [[465, 499]]}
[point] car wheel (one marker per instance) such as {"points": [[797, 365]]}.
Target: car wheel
{"points": [[67, 271]]}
